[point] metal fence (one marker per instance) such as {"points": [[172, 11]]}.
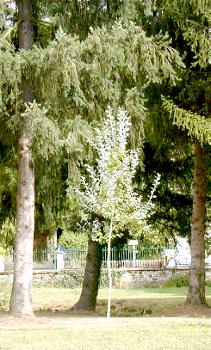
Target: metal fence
{"points": [[75, 258], [42, 259], [128, 257], [134, 257]]}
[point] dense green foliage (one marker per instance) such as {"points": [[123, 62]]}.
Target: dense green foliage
{"points": [[86, 56], [76, 239], [74, 81], [186, 105]]}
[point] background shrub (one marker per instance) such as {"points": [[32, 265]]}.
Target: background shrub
{"points": [[177, 281], [71, 279]]}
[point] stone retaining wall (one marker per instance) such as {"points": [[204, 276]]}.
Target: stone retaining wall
{"points": [[121, 279], [138, 279], [145, 278]]}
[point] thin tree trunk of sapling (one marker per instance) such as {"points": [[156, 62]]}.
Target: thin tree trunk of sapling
{"points": [[109, 273]]}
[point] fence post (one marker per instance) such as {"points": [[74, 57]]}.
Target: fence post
{"points": [[134, 256], [133, 243], [59, 260]]}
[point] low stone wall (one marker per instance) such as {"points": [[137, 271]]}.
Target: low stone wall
{"points": [[121, 279], [152, 278], [146, 278]]}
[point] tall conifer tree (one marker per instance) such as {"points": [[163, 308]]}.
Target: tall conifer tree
{"points": [[21, 298], [186, 21]]}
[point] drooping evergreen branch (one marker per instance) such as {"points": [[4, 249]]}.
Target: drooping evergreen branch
{"points": [[46, 134], [193, 18], [196, 126]]}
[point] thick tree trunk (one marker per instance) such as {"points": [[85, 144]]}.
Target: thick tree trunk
{"points": [[88, 298], [21, 296], [196, 292]]}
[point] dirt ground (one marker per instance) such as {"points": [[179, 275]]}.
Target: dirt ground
{"points": [[7, 321], [189, 311]]}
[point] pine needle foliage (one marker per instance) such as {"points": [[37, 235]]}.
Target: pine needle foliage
{"points": [[45, 144], [7, 233], [197, 126], [76, 17], [75, 80], [187, 22], [110, 66], [192, 17]]}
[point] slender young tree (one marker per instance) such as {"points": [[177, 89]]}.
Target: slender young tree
{"points": [[106, 74], [110, 194]]}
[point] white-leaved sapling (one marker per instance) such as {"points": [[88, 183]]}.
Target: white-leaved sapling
{"points": [[108, 191]]}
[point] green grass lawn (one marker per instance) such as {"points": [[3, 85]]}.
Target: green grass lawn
{"points": [[56, 327], [125, 302], [123, 334]]}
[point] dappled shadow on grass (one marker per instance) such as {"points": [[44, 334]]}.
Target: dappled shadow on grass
{"points": [[121, 308], [137, 307], [125, 303], [67, 314]]}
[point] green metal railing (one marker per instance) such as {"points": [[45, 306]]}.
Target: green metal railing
{"points": [[125, 257], [44, 259], [75, 258], [128, 257], [41, 255], [134, 257]]}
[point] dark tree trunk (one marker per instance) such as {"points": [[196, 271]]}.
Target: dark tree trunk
{"points": [[88, 298], [21, 296], [196, 292]]}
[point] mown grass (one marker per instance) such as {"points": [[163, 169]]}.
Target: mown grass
{"points": [[125, 302], [56, 327], [123, 334]]}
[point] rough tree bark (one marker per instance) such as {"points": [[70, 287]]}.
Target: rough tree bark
{"points": [[21, 296], [196, 291], [88, 297]]}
